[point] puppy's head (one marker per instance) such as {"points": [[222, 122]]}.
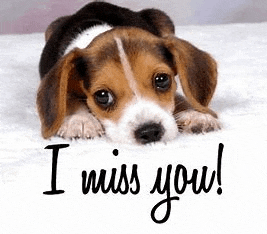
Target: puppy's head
{"points": [[127, 77]]}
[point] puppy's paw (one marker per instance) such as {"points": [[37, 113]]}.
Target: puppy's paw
{"points": [[191, 121], [80, 125]]}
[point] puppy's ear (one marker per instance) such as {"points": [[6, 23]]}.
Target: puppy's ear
{"points": [[67, 77], [159, 20], [197, 72]]}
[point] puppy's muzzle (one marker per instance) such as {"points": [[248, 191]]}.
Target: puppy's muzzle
{"points": [[149, 132]]}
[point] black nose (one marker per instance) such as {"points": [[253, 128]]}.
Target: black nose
{"points": [[149, 132]]}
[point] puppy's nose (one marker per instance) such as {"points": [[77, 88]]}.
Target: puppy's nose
{"points": [[149, 132]]}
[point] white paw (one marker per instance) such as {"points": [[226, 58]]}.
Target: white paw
{"points": [[82, 124], [191, 121]]}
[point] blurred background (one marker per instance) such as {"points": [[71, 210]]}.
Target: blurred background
{"points": [[28, 16]]}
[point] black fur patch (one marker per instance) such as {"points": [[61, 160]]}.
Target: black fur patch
{"points": [[167, 56], [82, 67], [59, 41], [159, 20], [96, 13], [120, 16]]}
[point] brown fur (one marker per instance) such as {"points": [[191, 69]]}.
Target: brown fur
{"points": [[55, 95], [197, 72], [62, 91]]}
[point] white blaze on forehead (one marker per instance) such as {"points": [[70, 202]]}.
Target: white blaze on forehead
{"points": [[126, 66]]}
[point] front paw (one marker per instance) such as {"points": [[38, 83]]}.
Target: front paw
{"points": [[80, 125], [191, 121]]}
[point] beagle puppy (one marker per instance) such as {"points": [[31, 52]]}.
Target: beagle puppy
{"points": [[109, 70]]}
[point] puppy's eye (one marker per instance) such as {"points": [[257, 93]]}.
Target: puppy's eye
{"points": [[162, 82], [104, 98]]}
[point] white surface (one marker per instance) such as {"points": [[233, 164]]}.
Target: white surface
{"points": [[240, 100]]}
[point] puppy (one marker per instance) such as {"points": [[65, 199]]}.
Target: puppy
{"points": [[109, 70]]}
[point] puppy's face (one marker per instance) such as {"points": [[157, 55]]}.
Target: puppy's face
{"points": [[126, 77], [130, 85]]}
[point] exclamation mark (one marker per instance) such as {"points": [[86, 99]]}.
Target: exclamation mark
{"points": [[219, 168]]}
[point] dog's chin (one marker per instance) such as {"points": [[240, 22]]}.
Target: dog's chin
{"points": [[142, 122]]}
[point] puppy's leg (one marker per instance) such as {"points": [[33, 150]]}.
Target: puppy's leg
{"points": [[189, 120], [80, 123]]}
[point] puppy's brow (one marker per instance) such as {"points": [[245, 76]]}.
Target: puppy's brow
{"points": [[126, 66], [166, 55], [107, 52]]}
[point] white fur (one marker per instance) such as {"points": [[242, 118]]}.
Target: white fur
{"points": [[81, 124], [85, 38], [190, 119], [126, 66], [136, 114]]}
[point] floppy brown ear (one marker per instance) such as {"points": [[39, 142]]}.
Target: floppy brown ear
{"points": [[197, 72], [55, 90]]}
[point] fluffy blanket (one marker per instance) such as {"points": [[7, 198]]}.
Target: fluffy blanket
{"points": [[189, 185]]}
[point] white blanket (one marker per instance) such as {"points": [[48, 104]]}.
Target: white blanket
{"points": [[241, 102]]}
